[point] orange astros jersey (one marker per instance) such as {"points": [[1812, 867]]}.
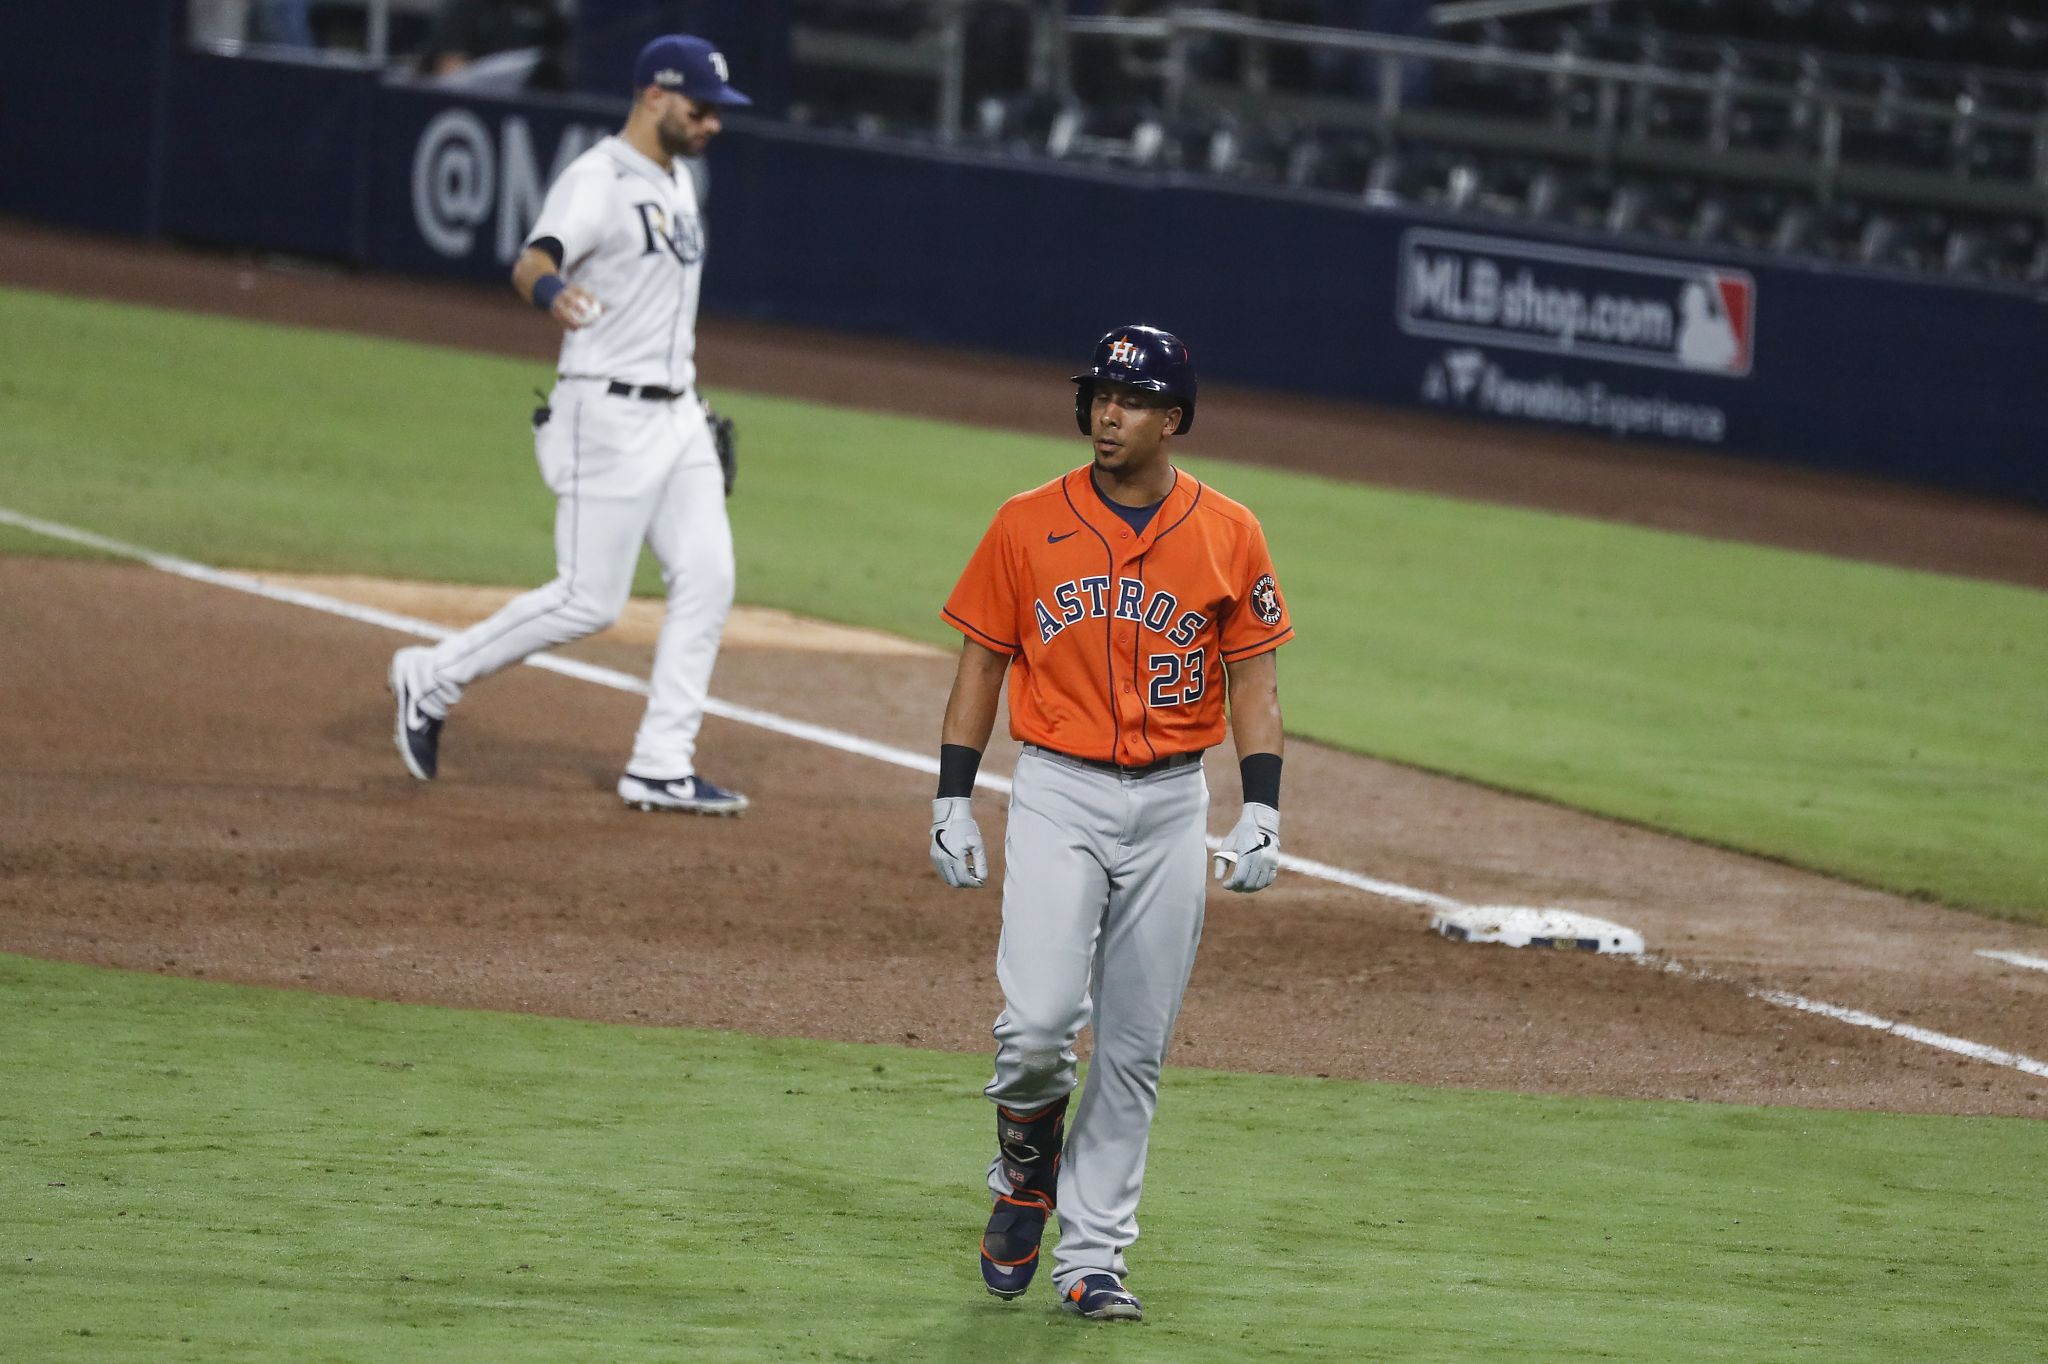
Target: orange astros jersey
{"points": [[1116, 638]]}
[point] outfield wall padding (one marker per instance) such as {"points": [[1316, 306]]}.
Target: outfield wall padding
{"points": [[1839, 368]]}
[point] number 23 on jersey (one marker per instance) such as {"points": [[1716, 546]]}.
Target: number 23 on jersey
{"points": [[1116, 634]]}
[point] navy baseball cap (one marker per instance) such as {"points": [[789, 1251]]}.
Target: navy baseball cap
{"points": [[687, 65]]}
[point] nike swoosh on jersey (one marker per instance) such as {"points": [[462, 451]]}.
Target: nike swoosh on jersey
{"points": [[1052, 539]]}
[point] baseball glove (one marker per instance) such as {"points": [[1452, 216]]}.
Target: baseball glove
{"points": [[726, 440]]}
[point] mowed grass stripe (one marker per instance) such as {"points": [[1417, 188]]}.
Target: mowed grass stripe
{"points": [[205, 1172], [1879, 724]]}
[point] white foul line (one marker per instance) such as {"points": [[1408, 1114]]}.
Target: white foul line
{"points": [[1975, 1050], [410, 625], [2015, 959], [916, 762]]}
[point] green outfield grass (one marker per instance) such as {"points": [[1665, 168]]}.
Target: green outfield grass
{"points": [[1879, 724], [14, 541], [212, 1173]]}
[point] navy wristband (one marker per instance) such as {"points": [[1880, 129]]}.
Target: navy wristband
{"points": [[545, 291], [957, 765], [1260, 773]]}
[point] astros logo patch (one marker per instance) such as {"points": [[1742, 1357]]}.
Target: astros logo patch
{"points": [[1124, 352], [1266, 599]]}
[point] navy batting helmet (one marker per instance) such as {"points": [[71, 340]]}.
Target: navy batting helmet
{"points": [[1143, 357]]}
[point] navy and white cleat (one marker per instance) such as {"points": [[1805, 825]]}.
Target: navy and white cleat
{"points": [[1009, 1247], [688, 795], [417, 734], [1102, 1297]]}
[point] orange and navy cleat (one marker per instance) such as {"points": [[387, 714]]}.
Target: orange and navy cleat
{"points": [[1102, 1297], [1009, 1247]]}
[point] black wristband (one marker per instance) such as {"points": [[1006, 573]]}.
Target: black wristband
{"points": [[545, 289], [957, 765], [1260, 773]]}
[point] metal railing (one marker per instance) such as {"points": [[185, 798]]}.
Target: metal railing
{"points": [[938, 53], [1622, 109], [221, 32], [1479, 11]]}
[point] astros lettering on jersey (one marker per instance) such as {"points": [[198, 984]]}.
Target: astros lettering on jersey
{"points": [[1117, 637]]}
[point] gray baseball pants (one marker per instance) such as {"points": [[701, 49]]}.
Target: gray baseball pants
{"points": [[1103, 896]]}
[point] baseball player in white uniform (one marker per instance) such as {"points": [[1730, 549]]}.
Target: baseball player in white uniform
{"points": [[624, 443]]}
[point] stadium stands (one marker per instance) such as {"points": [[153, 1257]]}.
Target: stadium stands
{"points": [[1898, 136]]}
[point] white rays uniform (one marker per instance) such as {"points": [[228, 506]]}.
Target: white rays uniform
{"points": [[624, 467]]}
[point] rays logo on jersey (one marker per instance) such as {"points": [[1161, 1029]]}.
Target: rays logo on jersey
{"points": [[684, 238], [1089, 598], [1266, 599]]}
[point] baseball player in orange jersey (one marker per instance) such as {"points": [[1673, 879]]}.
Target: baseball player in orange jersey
{"points": [[1117, 600]]}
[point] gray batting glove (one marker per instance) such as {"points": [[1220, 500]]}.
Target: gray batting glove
{"points": [[957, 850], [1250, 858]]}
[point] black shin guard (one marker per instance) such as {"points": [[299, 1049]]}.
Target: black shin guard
{"points": [[1030, 1145]]}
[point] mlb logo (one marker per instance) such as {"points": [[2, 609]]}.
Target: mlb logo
{"points": [[1124, 352], [1716, 322]]}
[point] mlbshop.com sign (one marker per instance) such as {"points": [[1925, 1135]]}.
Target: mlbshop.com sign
{"points": [[1565, 301]]}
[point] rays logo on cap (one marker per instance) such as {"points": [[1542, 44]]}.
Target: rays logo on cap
{"points": [[718, 65], [1124, 352]]}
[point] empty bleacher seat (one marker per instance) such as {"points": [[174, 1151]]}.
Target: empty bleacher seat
{"points": [[1336, 161], [1752, 216], [1507, 184], [1784, 21], [2000, 154], [1768, 134], [2016, 252]]}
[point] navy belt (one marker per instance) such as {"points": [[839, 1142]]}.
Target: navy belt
{"points": [[1163, 765], [653, 393]]}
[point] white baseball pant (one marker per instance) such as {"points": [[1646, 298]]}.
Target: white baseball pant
{"points": [[624, 471]]}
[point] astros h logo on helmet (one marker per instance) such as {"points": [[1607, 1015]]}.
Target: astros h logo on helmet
{"points": [[1124, 352]]}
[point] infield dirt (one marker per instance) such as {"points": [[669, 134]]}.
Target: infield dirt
{"points": [[201, 782]]}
